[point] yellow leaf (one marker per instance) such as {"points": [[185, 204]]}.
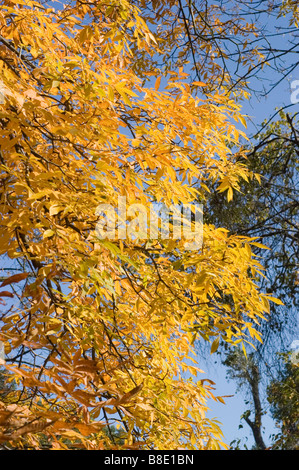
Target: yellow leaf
{"points": [[215, 345], [157, 83], [48, 233], [199, 83], [275, 300]]}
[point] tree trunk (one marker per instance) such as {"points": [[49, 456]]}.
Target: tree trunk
{"points": [[256, 425]]}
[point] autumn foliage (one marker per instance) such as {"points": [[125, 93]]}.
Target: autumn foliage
{"points": [[101, 333]]}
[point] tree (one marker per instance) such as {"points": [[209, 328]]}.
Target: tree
{"points": [[245, 371], [100, 331], [283, 396], [267, 208]]}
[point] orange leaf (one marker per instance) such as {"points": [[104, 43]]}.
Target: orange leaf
{"points": [[13, 279], [6, 294], [157, 84]]}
